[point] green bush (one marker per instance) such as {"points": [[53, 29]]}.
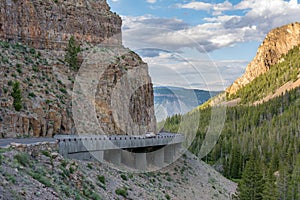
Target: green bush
{"points": [[42, 179], [11, 178], [122, 192], [124, 177], [17, 95], [35, 68], [46, 153], [71, 56], [63, 90], [101, 179], [32, 95], [1, 159], [167, 197], [22, 158]]}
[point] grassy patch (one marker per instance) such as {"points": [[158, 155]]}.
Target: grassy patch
{"points": [[40, 178]]}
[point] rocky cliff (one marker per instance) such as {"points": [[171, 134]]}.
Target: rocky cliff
{"points": [[33, 36], [277, 43], [50, 23]]}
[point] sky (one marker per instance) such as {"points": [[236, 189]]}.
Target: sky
{"points": [[200, 44]]}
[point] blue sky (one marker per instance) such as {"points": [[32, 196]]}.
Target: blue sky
{"points": [[200, 44]]}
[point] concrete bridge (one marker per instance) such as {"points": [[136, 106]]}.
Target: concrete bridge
{"points": [[135, 152]]}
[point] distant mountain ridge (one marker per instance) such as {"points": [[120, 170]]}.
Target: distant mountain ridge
{"points": [[170, 100]]}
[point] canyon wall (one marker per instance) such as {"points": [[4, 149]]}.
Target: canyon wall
{"points": [[33, 38]]}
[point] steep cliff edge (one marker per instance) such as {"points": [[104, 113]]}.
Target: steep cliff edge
{"points": [[33, 37], [277, 43]]}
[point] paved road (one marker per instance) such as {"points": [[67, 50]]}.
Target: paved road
{"points": [[6, 142]]}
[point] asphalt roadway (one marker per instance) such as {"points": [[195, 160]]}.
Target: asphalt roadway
{"points": [[6, 142]]}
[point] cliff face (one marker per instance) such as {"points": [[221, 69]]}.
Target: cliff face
{"points": [[49, 24], [277, 43], [33, 35]]}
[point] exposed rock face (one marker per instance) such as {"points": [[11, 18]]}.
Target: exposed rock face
{"points": [[113, 92], [47, 82], [277, 43], [49, 24]]}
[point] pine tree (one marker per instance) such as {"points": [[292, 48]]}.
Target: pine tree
{"points": [[235, 162], [294, 187], [251, 185], [71, 56], [284, 179], [17, 95], [270, 189]]}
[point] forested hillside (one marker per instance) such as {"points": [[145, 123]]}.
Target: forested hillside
{"points": [[259, 146], [269, 133]]}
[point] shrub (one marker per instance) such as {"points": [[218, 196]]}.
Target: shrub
{"points": [[10, 178], [72, 51], [167, 197], [63, 90], [35, 68], [45, 181], [124, 177], [1, 159], [32, 95], [17, 95], [46, 153], [122, 192], [22, 158], [101, 179]]}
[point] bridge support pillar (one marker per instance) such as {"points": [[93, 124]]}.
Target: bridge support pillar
{"points": [[158, 157], [178, 149], [98, 155], [169, 152], [128, 158], [63, 149], [113, 156], [141, 161]]}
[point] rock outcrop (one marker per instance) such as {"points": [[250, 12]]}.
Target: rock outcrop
{"points": [[33, 36], [48, 24], [277, 43]]}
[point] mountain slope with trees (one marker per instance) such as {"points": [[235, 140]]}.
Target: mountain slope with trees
{"points": [[260, 143]]}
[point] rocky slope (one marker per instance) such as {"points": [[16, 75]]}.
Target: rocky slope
{"points": [[43, 173], [277, 43], [33, 55]]}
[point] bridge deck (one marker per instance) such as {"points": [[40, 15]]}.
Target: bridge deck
{"points": [[103, 142]]}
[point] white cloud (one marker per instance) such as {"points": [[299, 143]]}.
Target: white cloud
{"points": [[216, 8], [253, 19], [173, 69], [258, 18], [195, 6], [151, 1]]}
